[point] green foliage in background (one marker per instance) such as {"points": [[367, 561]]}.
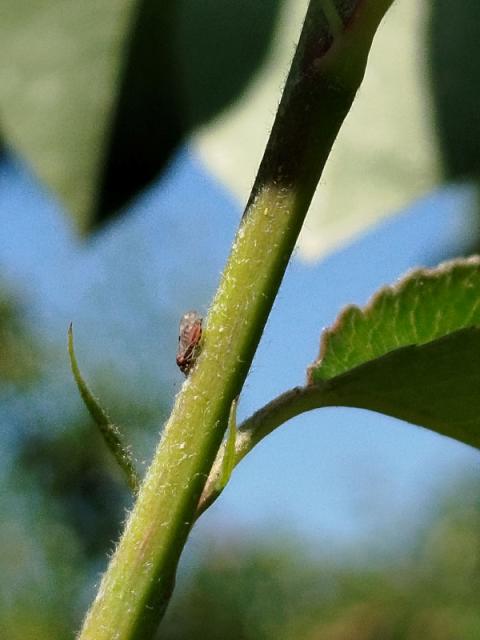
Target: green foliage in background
{"points": [[259, 590], [19, 361], [427, 589]]}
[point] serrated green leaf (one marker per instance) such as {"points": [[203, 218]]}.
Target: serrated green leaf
{"points": [[435, 385], [423, 306], [413, 352]]}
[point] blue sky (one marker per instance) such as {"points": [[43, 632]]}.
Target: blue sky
{"points": [[339, 474]]}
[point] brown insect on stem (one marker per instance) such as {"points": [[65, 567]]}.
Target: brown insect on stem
{"points": [[190, 334]]}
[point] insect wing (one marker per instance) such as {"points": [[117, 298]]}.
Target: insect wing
{"points": [[190, 332]]}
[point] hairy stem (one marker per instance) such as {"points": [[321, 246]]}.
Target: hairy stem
{"points": [[323, 80], [286, 406]]}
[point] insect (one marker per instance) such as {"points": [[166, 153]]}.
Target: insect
{"points": [[190, 334]]}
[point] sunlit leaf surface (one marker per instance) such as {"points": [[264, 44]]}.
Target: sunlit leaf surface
{"points": [[413, 352], [386, 153]]}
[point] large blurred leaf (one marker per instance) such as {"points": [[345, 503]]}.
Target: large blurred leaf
{"points": [[413, 352], [385, 154], [97, 94], [221, 43], [58, 73], [454, 37], [173, 79], [145, 124]]}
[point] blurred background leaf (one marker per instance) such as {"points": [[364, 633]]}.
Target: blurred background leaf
{"points": [[386, 152], [454, 58], [19, 359], [97, 95], [412, 104], [58, 74]]}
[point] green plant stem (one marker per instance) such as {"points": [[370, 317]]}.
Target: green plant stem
{"points": [[228, 450], [259, 425], [322, 83]]}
